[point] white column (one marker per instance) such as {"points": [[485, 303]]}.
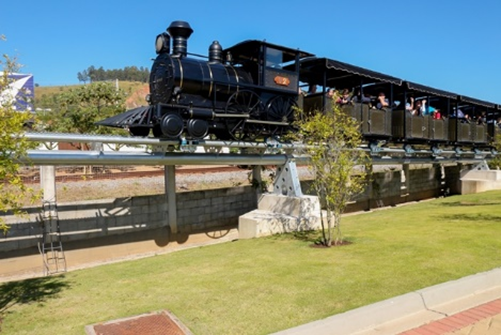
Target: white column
{"points": [[48, 183]]}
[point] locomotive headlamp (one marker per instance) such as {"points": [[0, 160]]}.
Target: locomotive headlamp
{"points": [[162, 43]]}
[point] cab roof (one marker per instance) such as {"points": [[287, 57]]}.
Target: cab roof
{"points": [[251, 50]]}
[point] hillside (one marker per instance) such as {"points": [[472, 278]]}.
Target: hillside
{"points": [[136, 93]]}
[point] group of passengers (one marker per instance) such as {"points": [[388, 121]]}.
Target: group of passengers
{"points": [[420, 107], [416, 107]]}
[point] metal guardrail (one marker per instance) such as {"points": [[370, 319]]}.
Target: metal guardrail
{"points": [[79, 138], [266, 153]]}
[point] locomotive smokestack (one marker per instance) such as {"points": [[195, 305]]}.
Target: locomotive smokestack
{"points": [[180, 32]]}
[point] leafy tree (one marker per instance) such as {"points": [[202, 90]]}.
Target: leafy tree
{"points": [[91, 71], [495, 163], [83, 76], [77, 110], [13, 146], [130, 73], [339, 169]]}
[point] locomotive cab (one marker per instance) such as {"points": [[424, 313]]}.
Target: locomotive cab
{"points": [[271, 66], [275, 74]]}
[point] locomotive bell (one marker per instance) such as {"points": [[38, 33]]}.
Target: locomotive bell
{"points": [[180, 32]]}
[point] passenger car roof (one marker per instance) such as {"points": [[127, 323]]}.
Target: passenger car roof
{"points": [[338, 72], [430, 90], [477, 102]]}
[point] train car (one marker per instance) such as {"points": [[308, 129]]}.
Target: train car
{"points": [[250, 91], [399, 122], [328, 73], [239, 93]]}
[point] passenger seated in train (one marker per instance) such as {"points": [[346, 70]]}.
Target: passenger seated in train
{"points": [[427, 110], [381, 101], [330, 93], [312, 89], [417, 107], [409, 106], [482, 119], [344, 98], [365, 99], [437, 114], [457, 113]]}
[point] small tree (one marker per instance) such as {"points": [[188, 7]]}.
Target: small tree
{"points": [[495, 163], [12, 145], [332, 140], [78, 109]]}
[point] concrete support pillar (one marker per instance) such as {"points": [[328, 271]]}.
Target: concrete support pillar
{"points": [[48, 183], [370, 186], [258, 180], [405, 180], [170, 192], [49, 204], [440, 178]]}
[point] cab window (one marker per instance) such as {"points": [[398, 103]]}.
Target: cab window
{"points": [[274, 58]]}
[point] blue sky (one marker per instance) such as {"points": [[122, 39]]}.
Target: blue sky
{"points": [[453, 45]]}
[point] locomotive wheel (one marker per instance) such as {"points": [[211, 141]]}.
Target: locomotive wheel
{"points": [[281, 109], [170, 126], [243, 102]]}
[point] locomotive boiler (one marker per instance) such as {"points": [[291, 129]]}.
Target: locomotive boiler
{"points": [[238, 93]]}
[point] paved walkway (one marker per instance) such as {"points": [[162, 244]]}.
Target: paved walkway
{"points": [[467, 306], [481, 320]]}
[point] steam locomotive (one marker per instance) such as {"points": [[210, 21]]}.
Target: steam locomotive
{"points": [[251, 90], [240, 93]]}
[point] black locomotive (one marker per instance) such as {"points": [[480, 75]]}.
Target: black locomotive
{"points": [[250, 91], [240, 93]]}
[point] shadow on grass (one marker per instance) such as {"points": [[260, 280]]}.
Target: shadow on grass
{"points": [[468, 204], [36, 290], [471, 217], [304, 236]]}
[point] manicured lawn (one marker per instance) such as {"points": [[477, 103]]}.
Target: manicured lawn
{"points": [[265, 285]]}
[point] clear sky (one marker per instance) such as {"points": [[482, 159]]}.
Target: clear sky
{"points": [[454, 45]]}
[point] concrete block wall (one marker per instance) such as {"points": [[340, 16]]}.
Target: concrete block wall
{"points": [[388, 188], [86, 220], [203, 210]]}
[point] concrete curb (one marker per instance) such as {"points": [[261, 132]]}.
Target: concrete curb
{"points": [[410, 310]]}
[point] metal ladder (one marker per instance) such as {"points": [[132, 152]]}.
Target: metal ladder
{"points": [[51, 247]]}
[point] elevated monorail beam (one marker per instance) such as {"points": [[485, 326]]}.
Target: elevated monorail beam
{"points": [[423, 160], [79, 138], [73, 157]]}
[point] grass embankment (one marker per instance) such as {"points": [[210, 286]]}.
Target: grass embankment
{"points": [[134, 89], [263, 285]]}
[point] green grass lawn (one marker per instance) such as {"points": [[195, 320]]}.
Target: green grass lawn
{"points": [[264, 285]]}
